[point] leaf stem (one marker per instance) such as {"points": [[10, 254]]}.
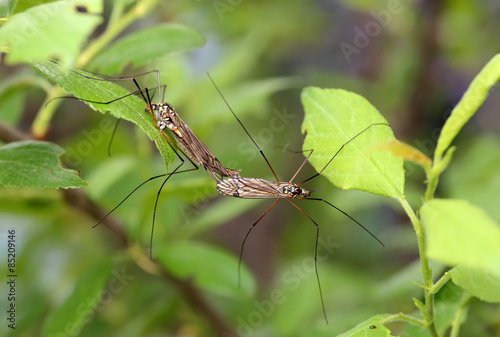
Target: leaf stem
{"points": [[432, 181], [455, 325], [439, 284], [426, 269], [117, 26], [118, 22], [44, 115], [404, 318], [433, 173]]}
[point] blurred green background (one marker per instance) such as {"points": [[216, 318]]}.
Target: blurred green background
{"points": [[412, 60]]}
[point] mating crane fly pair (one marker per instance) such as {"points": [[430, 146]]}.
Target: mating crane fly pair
{"points": [[229, 181]]}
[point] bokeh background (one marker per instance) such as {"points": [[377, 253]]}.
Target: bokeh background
{"points": [[412, 60]]}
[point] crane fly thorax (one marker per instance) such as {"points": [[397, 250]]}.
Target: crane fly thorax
{"points": [[165, 114], [293, 191]]}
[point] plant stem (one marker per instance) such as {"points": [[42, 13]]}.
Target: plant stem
{"points": [[455, 325], [44, 115], [116, 25], [426, 269], [432, 181], [442, 281], [404, 318], [141, 9]]}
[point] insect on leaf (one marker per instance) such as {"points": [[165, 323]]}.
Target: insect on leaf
{"points": [[332, 118], [130, 108]]}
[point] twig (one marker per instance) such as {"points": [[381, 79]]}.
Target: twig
{"points": [[81, 201]]}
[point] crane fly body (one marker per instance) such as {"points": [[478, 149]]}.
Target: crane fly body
{"points": [[256, 188], [186, 141], [229, 181], [167, 118]]}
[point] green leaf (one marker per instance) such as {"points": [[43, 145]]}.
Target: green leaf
{"points": [[147, 45], [210, 268], [446, 304], [476, 170], [477, 282], [333, 117], [459, 233], [35, 164], [37, 33], [449, 299], [468, 105], [77, 310], [130, 108], [22, 6], [419, 304], [372, 327]]}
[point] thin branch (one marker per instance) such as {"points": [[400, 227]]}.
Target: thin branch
{"points": [[457, 321], [81, 201], [9, 134]]}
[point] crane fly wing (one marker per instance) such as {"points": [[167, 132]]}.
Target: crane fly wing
{"points": [[199, 152], [249, 188]]}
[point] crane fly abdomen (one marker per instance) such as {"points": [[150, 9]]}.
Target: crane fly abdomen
{"points": [[255, 188]]}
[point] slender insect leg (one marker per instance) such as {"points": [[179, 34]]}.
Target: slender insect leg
{"points": [[97, 102], [156, 205], [302, 165], [245, 239], [244, 128], [113, 136], [148, 101], [336, 153], [173, 146], [315, 257], [161, 187], [347, 215], [127, 78], [115, 78], [133, 191]]}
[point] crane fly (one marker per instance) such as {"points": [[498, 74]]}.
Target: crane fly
{"points": [[166, 117], [187, 142], [256, 188]]}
